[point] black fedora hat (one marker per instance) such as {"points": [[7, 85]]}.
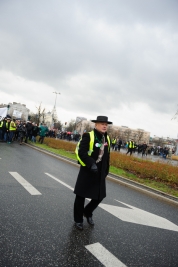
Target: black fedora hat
{"points": [[102, 119]]}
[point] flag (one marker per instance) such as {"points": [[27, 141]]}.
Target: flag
{"points": [[3, 113], [17, 113]]}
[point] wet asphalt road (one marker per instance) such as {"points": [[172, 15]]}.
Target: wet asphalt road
{"points": [[38, 230]]}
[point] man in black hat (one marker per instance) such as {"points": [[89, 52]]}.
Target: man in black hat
{"points": [[93, 153]]}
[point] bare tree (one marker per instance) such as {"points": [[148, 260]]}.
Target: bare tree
{"points": [[23, 117], [111, 132], [127, 134], [122, 135], [88, 127], [139, 135], [175, 117], [71, 126], [40, 114], [58, 125], [115, 133], [161, 141]]}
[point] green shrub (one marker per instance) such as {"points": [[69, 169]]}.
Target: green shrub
{"points": [[141, 168]]}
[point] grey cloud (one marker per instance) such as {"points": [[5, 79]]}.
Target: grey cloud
{"points": [[130, 46]]}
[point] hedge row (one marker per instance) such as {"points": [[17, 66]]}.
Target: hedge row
{"points": [[145, 168], [141, 168]]}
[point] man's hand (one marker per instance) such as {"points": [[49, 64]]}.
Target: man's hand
{"points": [[94, 168]]}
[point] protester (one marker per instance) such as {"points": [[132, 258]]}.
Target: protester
{"points": [[144, 147], [43, 131], [3, 129], [16, 136], [131, 146], [113, 143], [119, 144], [35, 131], [147, 150], [7, 131], [22, 132], [12, 130], [93, 171], [29, 127]]}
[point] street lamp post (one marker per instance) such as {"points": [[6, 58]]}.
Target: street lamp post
{"points": [[54, 109], [55, 98]]}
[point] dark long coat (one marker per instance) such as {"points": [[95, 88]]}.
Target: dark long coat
{"points": [[90, 185]]}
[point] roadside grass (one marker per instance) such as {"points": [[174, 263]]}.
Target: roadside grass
{"points": [[60, 152], [152, 184], [126, 173]]}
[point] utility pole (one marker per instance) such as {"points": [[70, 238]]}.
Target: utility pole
{"points": [[54, 109], [55, 98]]}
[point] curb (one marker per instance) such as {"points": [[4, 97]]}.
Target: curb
{"points": [[119, 179]]}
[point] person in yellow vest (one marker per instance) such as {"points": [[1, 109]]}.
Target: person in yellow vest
{"points": [[12, 130], [93, 152], [131, 146], [7, 132], [113, 143]]}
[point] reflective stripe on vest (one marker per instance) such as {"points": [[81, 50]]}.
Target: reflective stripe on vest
{"points": [[91, 144], [7, 125], [131, 144]]}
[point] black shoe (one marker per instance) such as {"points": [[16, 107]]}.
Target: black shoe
{"points": [[89, 220], [79, 226]]}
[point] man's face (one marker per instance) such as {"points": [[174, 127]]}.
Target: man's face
{"points": [[101, 127]]}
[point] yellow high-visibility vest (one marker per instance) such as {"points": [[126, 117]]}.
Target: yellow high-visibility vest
{"points": [[131, 144], [113, 141], [91, 144], [12, 126]]}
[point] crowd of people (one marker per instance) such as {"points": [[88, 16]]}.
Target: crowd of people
{"points": [[143, 148], [21, 131], [69, 136]]}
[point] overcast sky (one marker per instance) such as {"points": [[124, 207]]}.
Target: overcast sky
{"points": [[114, 58]]}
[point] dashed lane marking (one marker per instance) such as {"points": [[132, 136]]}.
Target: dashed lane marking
{"points": [[30, 188], [104, 256], [59, 181]]}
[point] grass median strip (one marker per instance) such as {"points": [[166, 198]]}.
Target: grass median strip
{"points": [[152, 183]]}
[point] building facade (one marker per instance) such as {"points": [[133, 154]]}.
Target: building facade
{"points": [[123, 132], [17, 110]]}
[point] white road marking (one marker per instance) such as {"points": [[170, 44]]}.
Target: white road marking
{"points": [[133, 215], [138, 216], [32, 190], [104, 256], [66, 185]]}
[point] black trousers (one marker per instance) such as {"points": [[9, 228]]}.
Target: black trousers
{"points": [[129, 151], [79, 208], [41, 139]]}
